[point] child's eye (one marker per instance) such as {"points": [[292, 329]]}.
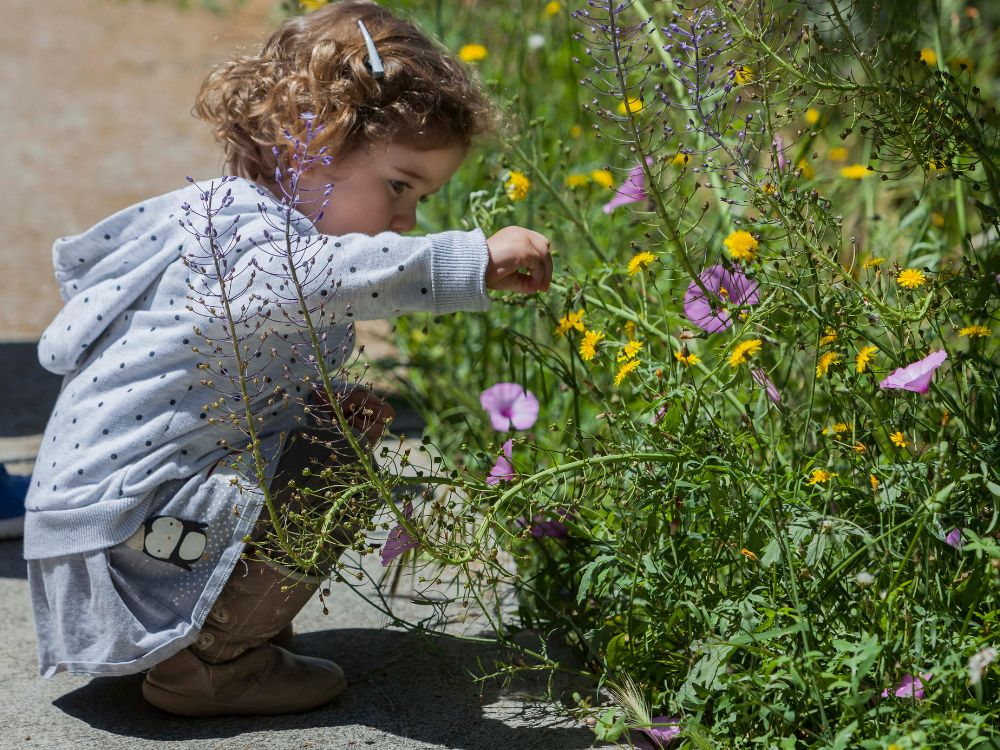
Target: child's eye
{"points": [[398, 190], [423, 199]]}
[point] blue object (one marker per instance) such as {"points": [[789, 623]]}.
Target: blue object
{"points": [[13, 488]]}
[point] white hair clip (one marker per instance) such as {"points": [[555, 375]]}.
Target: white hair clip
{"points": [[374, 61]]}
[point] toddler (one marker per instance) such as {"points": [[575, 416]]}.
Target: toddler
{"points": [[136, 525]]}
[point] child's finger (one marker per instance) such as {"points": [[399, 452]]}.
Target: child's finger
{"points": [[540, 244]]}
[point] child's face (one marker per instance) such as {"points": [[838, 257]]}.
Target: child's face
{"points": [[377, 190]]}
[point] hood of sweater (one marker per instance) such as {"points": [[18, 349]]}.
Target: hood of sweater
{"points": [[101, 273]]}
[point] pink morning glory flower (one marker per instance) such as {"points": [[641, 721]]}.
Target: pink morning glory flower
{"points": [[632, 190], [509, 404], [916, 377], [954, 538], [726, 288], [910, 686], [503, 470], [663, 735], [761, 378], [542, 527], [398, 541]]}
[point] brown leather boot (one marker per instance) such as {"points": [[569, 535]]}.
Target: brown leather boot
{"points": [[285, 637], [237, 665], [232, 668]]}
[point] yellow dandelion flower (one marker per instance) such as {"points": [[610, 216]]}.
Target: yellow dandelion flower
{"points": [[975, 331], [743, 351], [928, 56], [828, 337], [630, 350], [812, 115], [911, 278], [770, 189], [748, 554], [603, 177], [576, 180], [588, 346], [824, 363], [680, 159], [575, 131], [631, 104], [872, 262], [937, 219], [625, 369], [741, 245], [570, 321], [311, 5], [688, 359], [859, 448], [640, 261], [517, 185], [819, 476], [898, 439], [873, 481], [630, 329], [864, 358], [855, 172], [472, 52], [744, 75], [552, 8], [806, 169], [961, 62], [836, 429], [838, 154]]}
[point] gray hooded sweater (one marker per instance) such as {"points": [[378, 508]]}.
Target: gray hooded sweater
{"points": [[134, 413]]}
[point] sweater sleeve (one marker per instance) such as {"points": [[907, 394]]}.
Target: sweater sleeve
{"points": [[347, 278]]}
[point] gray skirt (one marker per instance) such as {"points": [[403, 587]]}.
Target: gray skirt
{"points": [[123, 609]]}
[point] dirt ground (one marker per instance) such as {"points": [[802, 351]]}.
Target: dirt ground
{"points": [[95, 114]]}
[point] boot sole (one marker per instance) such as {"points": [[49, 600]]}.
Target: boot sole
{"points": [[183, 705]]}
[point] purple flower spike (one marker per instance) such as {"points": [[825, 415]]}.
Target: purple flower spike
{"points": [[664, 735], [509, 404], [632, 190], [725, 287], [916, 377], [503, 470], [910, 686], [762, 379], [398, 541]]}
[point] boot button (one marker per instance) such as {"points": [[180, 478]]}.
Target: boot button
{"points": [[205, 640], [219, 614]]}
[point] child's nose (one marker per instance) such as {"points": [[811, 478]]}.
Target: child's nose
{"points": [[403, 222]]}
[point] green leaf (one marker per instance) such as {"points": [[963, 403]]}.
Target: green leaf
{"points": [[609, 727], [616, 649], [843, 738]]}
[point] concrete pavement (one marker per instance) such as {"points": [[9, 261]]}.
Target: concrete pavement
{"points": [[406, 691]]}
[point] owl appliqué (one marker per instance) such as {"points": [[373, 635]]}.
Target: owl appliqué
{"points": [[174, 540]]}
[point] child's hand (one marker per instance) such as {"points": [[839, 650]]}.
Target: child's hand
{"points": [[367, 413], [513, 248]]}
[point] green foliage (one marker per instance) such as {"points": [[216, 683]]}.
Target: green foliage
{"points": [[761, 568]]}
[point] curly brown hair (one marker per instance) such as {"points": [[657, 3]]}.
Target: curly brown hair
{"points": [[316, 63]]}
